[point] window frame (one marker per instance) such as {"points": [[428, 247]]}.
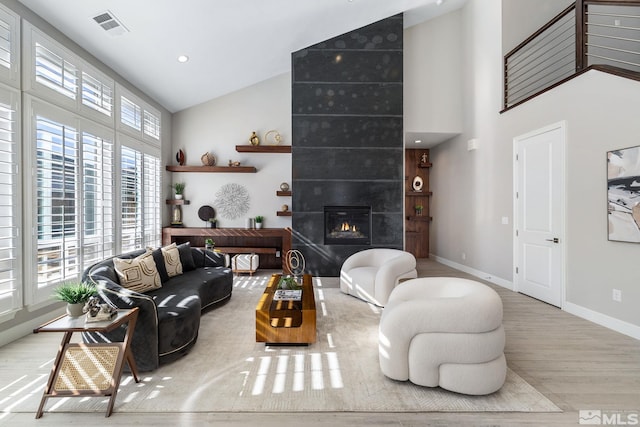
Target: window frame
{"points": [[11, 75], [11, 304]]}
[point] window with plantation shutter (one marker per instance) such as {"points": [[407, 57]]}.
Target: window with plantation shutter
{"points": [[131, 198], [57, 193], [97, 93], [10, 292], [97, 203], [55, 72], [152, 220], [152, 124], [9, 44], [130, 113]]}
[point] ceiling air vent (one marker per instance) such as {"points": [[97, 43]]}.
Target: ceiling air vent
{"points": [[110, 24]]}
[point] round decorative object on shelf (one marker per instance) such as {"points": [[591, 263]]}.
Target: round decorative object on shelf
{"points": [[254, 139], [180, 157], [285, 208], [205, 213], [284, 186], [272, 137], [417, 184], [208, 159]]}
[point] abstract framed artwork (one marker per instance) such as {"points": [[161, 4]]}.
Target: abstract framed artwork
{"points": [[623, 194]]}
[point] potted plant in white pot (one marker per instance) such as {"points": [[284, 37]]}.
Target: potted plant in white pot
{"points": [[178, 187], [209, 244], [75, 295], [259, 219]]}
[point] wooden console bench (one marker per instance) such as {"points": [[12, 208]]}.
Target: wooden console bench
{"points": [[271, 244]]}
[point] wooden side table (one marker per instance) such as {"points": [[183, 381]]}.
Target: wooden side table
{"points": [[89, 369]]}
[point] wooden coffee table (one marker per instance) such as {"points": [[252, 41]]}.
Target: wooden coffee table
{"points": [[286, 322]]}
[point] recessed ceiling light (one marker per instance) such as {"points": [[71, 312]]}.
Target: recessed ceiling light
{"points": [[183, 58], [418, 141]]}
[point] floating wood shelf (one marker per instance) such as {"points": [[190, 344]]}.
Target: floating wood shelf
{"points": [[424, 165], [418, 193], [177, 202], [283, 193], [263, 148], [218, 169], [420, 218], [283, 213]]}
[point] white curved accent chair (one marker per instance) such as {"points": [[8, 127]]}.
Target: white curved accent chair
{"points": [[444, 331], [372, 274]]}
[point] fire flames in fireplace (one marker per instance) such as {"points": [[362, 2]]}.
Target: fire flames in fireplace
{"points": [[346, 227]]}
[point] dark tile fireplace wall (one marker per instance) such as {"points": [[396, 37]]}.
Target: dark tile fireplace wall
{"points": [[347, 139]]}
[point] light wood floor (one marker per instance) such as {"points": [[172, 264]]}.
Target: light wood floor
{"points": [[578, 365]]}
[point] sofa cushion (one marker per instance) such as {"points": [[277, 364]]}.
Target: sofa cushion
{"points": [[172, 262], [138, 274], [159, 260], [186, 257]]}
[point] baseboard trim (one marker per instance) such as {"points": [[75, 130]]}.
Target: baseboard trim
{"points": [[479, 274], [609, 322], [27, 327]]}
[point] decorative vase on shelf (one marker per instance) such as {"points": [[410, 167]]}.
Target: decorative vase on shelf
{"points": [[254, 139], [178, 196]]}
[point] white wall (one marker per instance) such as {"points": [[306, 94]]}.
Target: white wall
{"points": [[473, 189], [432, 75], [522, 18], [218, 126]]}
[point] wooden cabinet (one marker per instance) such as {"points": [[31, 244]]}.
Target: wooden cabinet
{"points": [[271, 244], [417, 220]]}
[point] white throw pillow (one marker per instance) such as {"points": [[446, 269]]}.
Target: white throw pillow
{"points": [[138, 274], [172, 262]]}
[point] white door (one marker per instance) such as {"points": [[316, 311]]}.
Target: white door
{"points": [[539, 214]]}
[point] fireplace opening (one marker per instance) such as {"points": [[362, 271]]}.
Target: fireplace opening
{"points": [[347, 225]]}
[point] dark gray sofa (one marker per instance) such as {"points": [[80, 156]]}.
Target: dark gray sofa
{"points": [[169, 317]]}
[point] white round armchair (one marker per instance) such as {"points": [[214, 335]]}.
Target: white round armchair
{"points": [[372, 274], [444, 331]]}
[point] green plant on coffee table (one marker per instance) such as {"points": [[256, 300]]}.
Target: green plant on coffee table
{"points": [[209, 243], [74, 293], [288, 282]]}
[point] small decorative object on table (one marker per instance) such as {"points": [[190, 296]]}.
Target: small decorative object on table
{"points": [[180, 157], [97, 312], [295, 262], [272, 137], [212, 222], [254, 139], [208, 159], [75, 295], [259, 219]]}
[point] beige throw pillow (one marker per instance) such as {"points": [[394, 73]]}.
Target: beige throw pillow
{"points": [[172, 262], [138, 274]]}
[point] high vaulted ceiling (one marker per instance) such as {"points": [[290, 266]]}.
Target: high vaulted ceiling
{"points": [[231, 44]]}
